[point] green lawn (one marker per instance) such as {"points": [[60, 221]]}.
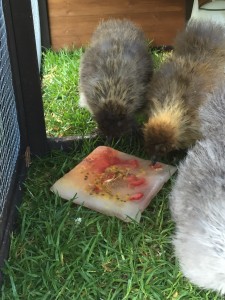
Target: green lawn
{"points": [[63, 251], [63, 116]]}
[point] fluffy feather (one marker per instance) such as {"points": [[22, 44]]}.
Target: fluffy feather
{"points": [[114, 73], [197, 201], [179, 87], [201, 38], [212, 114]]}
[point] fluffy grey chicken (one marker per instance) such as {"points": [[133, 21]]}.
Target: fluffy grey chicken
{"points": [[115, 71], [197, 201], [178, 88]]}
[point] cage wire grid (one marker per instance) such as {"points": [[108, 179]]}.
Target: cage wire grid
{"points": [[9, 127]]}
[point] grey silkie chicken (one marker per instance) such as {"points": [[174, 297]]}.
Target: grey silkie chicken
{"points": [[115, 71], [197, 201]]}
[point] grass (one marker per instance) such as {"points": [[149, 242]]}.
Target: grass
{"points": [[62, 251], [63, 116]]}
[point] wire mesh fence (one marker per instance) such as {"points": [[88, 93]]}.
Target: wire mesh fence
{"points": [[9, 128]]}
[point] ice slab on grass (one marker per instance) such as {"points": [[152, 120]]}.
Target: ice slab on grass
{"points": [[113, 183]]}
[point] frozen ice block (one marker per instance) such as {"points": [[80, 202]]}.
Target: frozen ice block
{"points": [[113, 183]]}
